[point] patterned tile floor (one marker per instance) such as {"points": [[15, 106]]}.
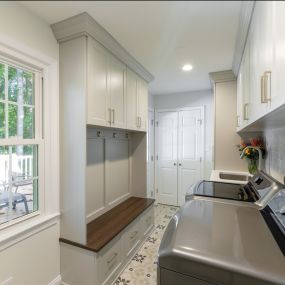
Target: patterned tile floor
{"points": [[142, 268]]}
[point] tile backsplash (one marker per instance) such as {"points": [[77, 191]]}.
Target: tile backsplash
{"points": [[275, 159]]}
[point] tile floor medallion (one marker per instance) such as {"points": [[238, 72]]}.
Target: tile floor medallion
{"points": [[142, 268]]}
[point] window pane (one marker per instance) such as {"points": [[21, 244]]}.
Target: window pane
{"points": [[12, 84], [28, 88], [21, 121], [29, 123], [2, 120], [22, 197], [20, 86], [2, 81], [13, 120]]}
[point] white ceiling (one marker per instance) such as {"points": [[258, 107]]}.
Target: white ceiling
{"points": [[162, 35]]}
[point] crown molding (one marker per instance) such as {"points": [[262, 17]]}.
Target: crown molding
{"points": [[84, 24], [246, 11], [221, 76]]}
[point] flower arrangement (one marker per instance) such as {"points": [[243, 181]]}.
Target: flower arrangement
{"points": [[252, 154]]}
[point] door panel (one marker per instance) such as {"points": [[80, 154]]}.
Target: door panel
{"points": [[167, 157], [98, 95], [117, 92], [189, 151], [150, 155]]}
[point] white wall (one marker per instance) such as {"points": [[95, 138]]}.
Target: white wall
{"points": [[226, 155], [34, 259], [193, 99]]}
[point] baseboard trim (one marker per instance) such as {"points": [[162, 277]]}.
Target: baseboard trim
{"points": [[56, 281]]}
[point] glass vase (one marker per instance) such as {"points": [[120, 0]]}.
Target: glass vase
{"points": [[252, 166]]}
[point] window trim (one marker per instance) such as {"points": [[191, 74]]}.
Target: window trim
{"points": [[15, 53]]}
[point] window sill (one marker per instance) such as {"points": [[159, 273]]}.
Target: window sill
{"points": [[17, 233]]}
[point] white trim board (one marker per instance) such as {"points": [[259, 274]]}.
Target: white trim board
{"points": [[84, 24]]}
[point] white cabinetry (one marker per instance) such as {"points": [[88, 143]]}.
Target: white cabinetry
{"points": [[106, 88], [137, 98], [264, 58], [278, 83]]}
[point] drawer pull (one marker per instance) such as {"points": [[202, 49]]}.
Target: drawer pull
{"points": [[112, 258], [134, 234]]}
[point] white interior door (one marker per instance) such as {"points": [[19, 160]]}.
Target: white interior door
{"points": [[150, 155], [190, 150], [167, 135]]}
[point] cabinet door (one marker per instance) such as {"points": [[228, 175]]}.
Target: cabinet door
{"points": [[239, 97], [132, 113], [98, 97], [246, 84], [117, 93], [278, 83], [262, 55], [142, 103]]}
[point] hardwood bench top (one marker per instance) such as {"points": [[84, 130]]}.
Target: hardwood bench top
{"points": [[103, 229]]}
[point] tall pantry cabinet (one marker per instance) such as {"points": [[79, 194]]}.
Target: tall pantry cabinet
{"points": [[103, 98]]}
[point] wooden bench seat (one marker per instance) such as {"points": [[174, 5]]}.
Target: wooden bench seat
{"points": [[103, 229]]}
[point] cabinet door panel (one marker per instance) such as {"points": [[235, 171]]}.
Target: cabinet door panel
{"points": [[142, 104], [117, 170], [131, 100], [98, 97], [278, 85], [117, 92]]}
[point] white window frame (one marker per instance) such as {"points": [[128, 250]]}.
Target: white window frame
{"points": [[37, 140], [47, 139]]}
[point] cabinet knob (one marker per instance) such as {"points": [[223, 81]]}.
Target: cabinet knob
{"points": [[174, 163], [180, 164]]}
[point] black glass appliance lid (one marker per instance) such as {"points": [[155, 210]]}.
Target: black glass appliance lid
{"points": [[226, 191]]}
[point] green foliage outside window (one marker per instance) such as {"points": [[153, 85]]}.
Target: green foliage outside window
{"points": [[20, 106]]}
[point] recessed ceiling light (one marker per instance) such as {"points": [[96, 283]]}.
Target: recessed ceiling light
{"points": [[187, 67]]}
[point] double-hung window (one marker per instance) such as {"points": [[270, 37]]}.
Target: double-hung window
{"points": [[21, 141]]}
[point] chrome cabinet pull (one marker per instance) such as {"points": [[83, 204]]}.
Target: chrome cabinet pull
{"points": [[245, 111], [112, 258], [138, 121], [113, 113], [262, 89], [238, 116]]}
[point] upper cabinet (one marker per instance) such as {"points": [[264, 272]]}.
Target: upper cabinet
{"points": [[117, 96], [106, 101], [137, 102], [260, 77]]}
